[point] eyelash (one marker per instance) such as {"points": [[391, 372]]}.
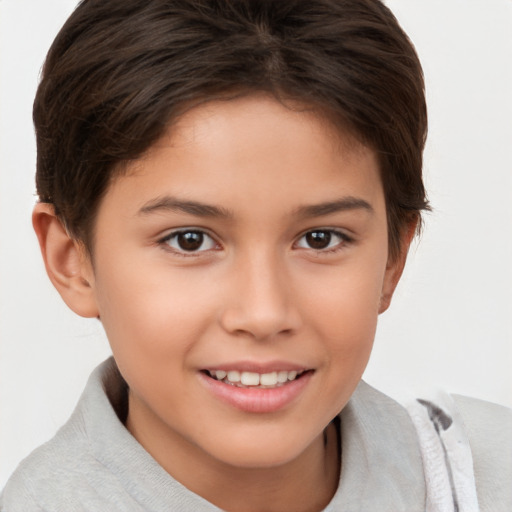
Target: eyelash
{"points": [[344, 240], [165, 242]]}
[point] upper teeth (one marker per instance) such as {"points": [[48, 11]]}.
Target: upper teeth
{"points": [[253, 378]]}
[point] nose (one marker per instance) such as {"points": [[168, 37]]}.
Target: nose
{"points": [[261, 302]]}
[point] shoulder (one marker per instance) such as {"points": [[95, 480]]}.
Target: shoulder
{"points": [[377, 433], [466, 447], [38, 481], [68, 472], [489, 430]]}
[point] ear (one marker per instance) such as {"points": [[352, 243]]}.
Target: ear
{"points": [[395, 268], [67, 264]]}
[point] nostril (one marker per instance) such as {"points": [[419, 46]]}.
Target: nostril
{"points": [[258, 325]]}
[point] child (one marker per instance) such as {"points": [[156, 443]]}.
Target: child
{"points": [[231, 188]]}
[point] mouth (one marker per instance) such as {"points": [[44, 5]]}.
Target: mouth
{"points": [[246, 379], [271, 389]]}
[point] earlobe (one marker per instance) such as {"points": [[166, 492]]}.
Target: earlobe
{"points": [[66, 262], [395, 269]]}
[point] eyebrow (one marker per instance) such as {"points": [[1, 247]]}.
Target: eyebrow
{"points": [[338, 205], [198, 209], [195, 208]]}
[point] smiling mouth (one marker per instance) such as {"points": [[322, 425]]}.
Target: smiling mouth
{"points": [[244, 379]]}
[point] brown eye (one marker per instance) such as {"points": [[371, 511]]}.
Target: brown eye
{"points": [[322, 239], [318, 239], [190, 241]]}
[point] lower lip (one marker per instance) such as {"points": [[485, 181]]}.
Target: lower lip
{"points": [[257, 400]]}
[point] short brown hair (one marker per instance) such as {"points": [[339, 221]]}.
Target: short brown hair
{"points": [[120, 71]]}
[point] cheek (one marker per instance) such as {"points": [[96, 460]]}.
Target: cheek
{"points": [[343, 306], [154, 313], [349, 291]]}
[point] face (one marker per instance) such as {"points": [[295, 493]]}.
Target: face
{"points": [[239, 269]]}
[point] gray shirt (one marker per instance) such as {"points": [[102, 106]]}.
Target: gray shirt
{"points": [[93, 463]]}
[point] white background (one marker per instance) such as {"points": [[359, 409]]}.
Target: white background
{"points": [[451, 322]]}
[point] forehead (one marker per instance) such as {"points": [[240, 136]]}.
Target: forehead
{"points": [[246, 111], [253, 147]]}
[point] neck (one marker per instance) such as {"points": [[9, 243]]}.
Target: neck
{"points": [[305, 484]]}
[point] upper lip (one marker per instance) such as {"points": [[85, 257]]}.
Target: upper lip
{"points": [[258, 367]]}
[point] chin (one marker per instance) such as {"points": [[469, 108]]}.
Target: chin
{"points": [[260, 452]]}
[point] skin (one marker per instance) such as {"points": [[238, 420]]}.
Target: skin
{"points": [[254, 291]]}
